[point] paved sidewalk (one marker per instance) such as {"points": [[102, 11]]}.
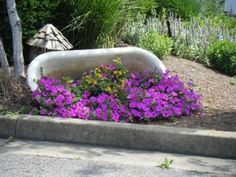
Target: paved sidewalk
{"points": [[210, 143], [47, 159]]}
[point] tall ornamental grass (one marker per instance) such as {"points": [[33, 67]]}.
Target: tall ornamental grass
{"points": [[98, 23]]}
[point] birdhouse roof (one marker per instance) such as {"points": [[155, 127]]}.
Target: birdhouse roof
{"points": [[49, 37]]}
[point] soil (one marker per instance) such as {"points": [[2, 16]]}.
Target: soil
{"points": [[218, 97]]}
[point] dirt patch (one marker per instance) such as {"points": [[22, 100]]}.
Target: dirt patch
{"points": [[218, 97], [15, 96]]}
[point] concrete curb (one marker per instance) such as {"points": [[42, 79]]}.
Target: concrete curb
{"points": [[220, 144]]}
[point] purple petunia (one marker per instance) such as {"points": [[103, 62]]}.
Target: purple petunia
{"points": [[147, 95]]}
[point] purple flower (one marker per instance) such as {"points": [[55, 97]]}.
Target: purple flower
{"points": [[132, 105], [146, 95], [112, 67], [149, 114], [177, 111], [103, 65], [98, 112], [104, 75], [59, 100], [135, 113], [158, 108], [167, 113], [190, 83], [48, 101], [36, 94], [43, 112], [115, 116]]}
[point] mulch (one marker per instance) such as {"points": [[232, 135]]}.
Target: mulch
{"points": [[218, 97]]}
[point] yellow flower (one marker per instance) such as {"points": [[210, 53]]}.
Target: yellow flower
{"points": [[117, 61], [94, 82], [115, 72], [89, 81], [98, 75], [124, 72], [122, 83], [108, 89]]}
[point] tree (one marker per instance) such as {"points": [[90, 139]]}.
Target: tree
{"points": [[19, 68], [4, 62], [6, 74]]}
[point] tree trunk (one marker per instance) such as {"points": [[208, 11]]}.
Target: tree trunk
{"points": [[19, 68], [6, 73], [4, 62]]}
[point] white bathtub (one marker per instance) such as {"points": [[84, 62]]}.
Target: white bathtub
{"points": [[72, 63]]}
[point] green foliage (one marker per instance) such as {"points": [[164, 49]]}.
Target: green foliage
{"points": [[34, 14], [98, 23], [233, 81], [190, 8], [222, 56], [146, 5], [196, 50], [214, 21], [166, 164], [193, 38], [160, 45], [71, 86], [104, 79]]}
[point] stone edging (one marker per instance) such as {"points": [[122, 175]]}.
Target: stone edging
{"points": [[213, 143]]}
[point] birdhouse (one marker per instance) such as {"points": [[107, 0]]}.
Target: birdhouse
{"points": [[48, 38]]}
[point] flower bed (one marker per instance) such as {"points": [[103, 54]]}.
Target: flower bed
{"points": [[112, 93]]}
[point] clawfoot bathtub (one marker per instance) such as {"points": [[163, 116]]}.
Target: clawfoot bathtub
{"points": [[72, 63]]}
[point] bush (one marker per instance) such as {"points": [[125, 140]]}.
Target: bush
{"points": [[222, 56], [191, 37], [190, 8], [160, 45]]}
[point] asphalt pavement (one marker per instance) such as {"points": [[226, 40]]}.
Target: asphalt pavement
{"points": [[21, 158]]}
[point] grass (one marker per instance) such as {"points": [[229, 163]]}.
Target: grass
{"points": [[166, 164]]}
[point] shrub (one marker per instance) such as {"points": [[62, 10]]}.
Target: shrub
{"points": [[190, 8], [158, 44], [148, 95], [191, 38], [222, 56]]}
